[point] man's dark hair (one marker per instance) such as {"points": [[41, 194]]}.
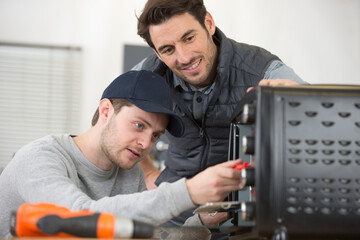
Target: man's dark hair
{"points": [[117, 103], [158, 11]]}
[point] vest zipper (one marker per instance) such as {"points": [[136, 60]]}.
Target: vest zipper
{"points": [[205, 151], [202, 132]]}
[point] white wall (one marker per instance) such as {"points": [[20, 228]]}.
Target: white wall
{"points": [[320, 39]]}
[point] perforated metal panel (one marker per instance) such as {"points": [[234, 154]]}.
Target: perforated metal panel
{"points": [[322, 153], [307, 162]]}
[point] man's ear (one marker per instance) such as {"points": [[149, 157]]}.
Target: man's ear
{"points": [[106, 110], [210, 23]]}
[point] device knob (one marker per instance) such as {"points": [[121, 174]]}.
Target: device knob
{"points": [[247, 177], [248, 114], [248, 145], [247, 211]]}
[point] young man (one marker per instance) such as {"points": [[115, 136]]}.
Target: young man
{"points": [[98, 170], [208, 74]]}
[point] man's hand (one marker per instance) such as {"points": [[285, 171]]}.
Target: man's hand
{"points": [[214, 183], [209, 219], [275, 82]]}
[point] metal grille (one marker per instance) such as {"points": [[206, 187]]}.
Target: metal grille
{"points": [[322, 155], [307, 163]]}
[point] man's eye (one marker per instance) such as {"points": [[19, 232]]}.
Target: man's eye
{"points": [[188, 39], [139, 125], [156, 136], [167, 51]]}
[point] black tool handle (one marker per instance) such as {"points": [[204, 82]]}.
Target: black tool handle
{"points": [[83, 226]]}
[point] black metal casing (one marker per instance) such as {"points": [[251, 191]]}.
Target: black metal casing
{"points": [[307, 163]]}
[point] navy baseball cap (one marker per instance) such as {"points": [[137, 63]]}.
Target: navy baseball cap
{"points": [[149, 92]]}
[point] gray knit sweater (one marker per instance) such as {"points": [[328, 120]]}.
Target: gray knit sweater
{"points": [[52, 169]]}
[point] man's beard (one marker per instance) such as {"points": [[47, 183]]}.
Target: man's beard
{"points": [[104, 144], [204, 80], [108, 149]]}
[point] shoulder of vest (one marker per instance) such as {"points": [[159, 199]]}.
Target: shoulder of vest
{"points": [[251, 59], [153, 63]]}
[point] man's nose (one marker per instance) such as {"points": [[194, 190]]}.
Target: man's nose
{"points": [[183, 55], [145, 141]]}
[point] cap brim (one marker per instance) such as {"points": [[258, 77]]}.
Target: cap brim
{"points": [[175, 126]]}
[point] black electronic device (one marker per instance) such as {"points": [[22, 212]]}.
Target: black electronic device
{"points": [[304, 145]]}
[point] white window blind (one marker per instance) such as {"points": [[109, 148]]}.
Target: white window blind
{"points": [[39, 94]]}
